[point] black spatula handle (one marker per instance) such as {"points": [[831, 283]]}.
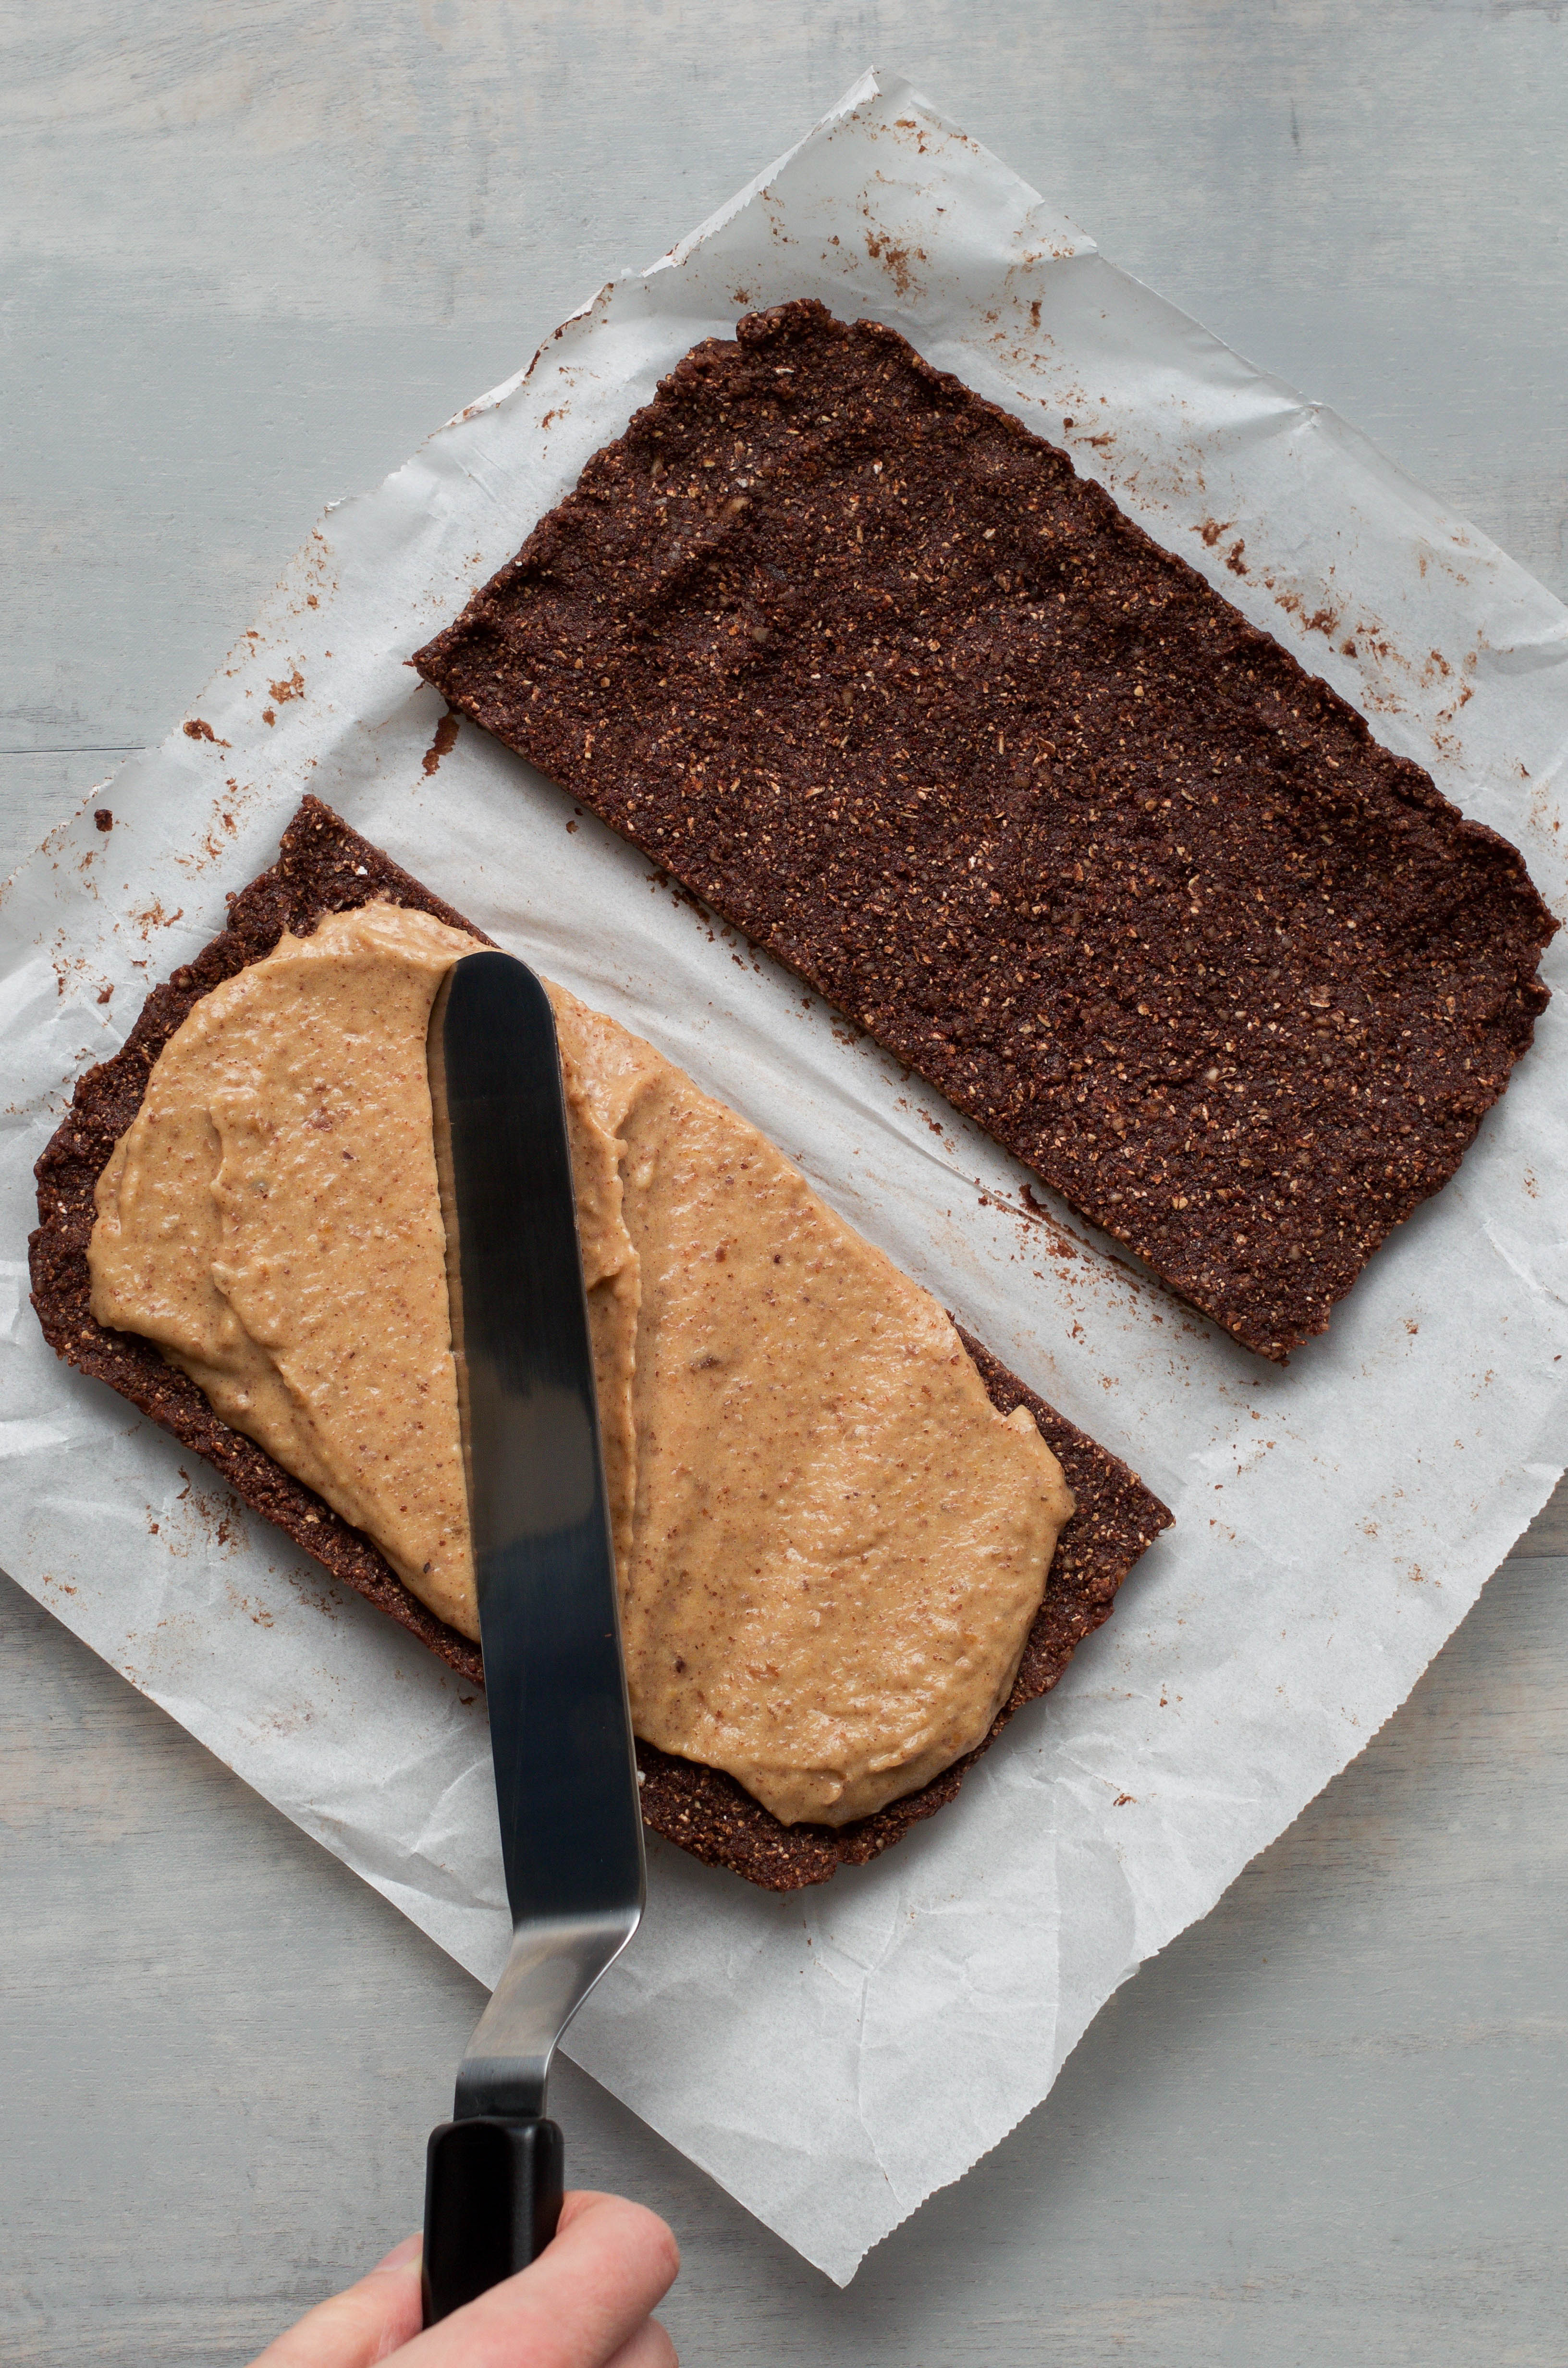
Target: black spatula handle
{"points": [[492, 2200]]}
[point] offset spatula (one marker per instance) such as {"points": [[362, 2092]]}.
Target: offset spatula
{"points": [[560, 1726]]}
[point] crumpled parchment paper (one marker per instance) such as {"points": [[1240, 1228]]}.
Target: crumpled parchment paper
{"points": [[834, 2055]]}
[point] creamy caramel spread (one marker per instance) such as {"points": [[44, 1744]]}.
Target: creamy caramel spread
{"points": [[271, 1219], [830, 1545]]}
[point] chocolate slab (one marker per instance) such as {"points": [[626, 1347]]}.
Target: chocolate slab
{"points": [[867, 667], [324, 867]]}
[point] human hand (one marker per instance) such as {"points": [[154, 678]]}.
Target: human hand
{"points": [[584, 2303]]}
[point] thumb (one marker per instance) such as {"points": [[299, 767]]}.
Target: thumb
{"points": [[365, 2323]]}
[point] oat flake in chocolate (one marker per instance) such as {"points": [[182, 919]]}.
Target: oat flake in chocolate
{"points": [[863, 664]]}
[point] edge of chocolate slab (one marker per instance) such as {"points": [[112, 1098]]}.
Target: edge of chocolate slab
{"points": [[863, 663], [325, 867]]}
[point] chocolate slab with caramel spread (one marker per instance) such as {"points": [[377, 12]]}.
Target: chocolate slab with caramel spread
{"points": [[867, 667], [324, 867]]}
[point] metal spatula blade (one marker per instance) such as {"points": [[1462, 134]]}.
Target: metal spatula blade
{"points": [[544, 1560]]}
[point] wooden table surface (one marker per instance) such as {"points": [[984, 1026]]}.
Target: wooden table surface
{"points": [[252, 253]]}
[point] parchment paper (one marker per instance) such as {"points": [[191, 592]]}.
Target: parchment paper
{"points": [[832, 2055]]}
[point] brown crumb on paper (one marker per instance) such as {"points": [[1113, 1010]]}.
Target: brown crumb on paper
{"points": [[445, 741]]}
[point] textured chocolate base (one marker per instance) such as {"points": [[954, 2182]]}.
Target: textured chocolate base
{"points": [[864, 665], [324, 867]]}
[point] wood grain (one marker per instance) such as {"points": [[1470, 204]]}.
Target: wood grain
{"points": [[252, 256]]}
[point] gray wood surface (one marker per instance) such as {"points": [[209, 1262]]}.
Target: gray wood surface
{"points": [[251, 253]]}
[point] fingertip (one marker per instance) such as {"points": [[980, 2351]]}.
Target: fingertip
{"points": [[664, 2238], [639, 2226], [578, 2200], [408, 2255]]}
